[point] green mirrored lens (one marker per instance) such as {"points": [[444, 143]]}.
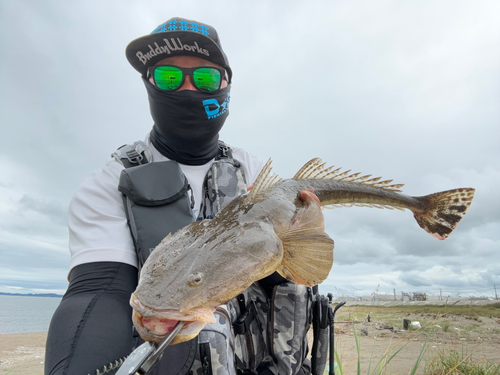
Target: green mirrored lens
{"points": [[168, 77], [207, 79]]}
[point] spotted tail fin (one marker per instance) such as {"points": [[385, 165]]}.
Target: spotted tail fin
{"points": [[444, 211]]}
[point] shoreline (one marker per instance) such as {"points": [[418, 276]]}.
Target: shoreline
{"points": [[23, 333]]}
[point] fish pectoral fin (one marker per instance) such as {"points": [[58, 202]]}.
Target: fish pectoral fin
{"points": [[307, 256], [307, 249]]}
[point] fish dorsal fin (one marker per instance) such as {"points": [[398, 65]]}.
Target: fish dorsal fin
{"points": [[265, 180], [315, 170]]}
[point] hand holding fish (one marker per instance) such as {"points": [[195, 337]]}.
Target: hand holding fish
{"points": [[277, 226]]}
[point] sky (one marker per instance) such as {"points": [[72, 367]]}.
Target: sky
{"points": [[409, 91]]}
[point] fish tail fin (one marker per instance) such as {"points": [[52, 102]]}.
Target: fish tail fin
{"points": [[444, 211], [307, 249]]}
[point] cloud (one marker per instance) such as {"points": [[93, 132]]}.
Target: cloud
{"points": [[414, 280], [406, 91], [52, 209]]}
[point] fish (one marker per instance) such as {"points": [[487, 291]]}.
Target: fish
{"points": [[277, 226]]}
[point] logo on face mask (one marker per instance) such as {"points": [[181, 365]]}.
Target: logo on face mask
{"points": [[214, 109]]}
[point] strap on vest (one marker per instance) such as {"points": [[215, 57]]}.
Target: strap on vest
{"points": [[242, 324]]}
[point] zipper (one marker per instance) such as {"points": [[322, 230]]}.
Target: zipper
{"points": [[270, 324], [309, 306], [206, 362], [250, 350]]}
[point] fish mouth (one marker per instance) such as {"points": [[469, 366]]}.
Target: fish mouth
{"points": [[153, 325]]}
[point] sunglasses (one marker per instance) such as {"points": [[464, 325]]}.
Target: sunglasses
{"points": [[170, 78]]}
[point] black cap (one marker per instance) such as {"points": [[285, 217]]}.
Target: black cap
{"points": [[177, 36]]}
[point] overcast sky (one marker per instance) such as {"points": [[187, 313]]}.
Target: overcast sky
{"points": [[408, 91]]}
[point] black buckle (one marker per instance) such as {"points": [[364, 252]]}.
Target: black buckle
{"points": [[242, 324], [223, 151], [134, 157]]}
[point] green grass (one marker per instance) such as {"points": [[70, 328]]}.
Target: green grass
{"points": [[454, 362], [380, 366], [444, 363]]}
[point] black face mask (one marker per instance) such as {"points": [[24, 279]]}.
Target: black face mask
{"points": [[187, 123]]}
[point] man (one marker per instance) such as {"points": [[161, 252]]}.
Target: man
{"points": [[188, 80]]}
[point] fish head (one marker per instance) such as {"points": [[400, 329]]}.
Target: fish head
{"points": [[200, 267]]}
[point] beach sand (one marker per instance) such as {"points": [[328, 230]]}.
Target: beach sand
{"points": [[22, 353]]}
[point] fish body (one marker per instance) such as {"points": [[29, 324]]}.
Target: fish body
{"points": [[277, 226]]}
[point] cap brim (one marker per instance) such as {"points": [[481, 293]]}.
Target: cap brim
{"points": [[150, 49]]}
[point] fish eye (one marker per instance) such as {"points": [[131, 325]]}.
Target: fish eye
{"points": [[195, 279]]}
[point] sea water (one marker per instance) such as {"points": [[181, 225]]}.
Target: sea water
{"points": [[19, 314]]}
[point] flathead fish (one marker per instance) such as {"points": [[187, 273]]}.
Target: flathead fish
{"points": [[277, 226]]}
